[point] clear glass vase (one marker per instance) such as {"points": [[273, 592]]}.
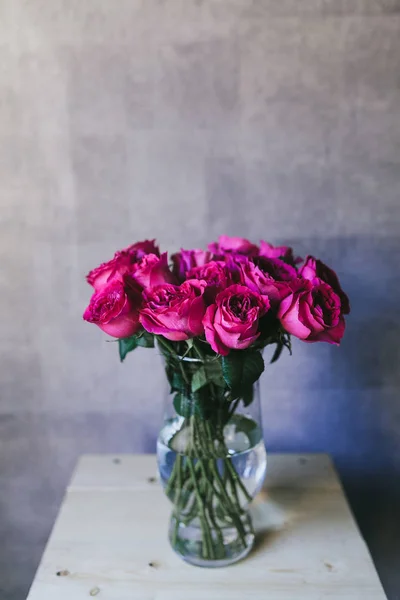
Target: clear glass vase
{"points": [[212, 462]]}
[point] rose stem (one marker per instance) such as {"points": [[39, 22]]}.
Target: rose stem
{"points": [[233, 408], [163, 342], [206, 480], [231, 507], [207, 545], [210, 492], [235, 477], [214, 523], [230, 471]]}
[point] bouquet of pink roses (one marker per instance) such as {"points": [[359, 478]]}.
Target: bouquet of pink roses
{"points": [[212, 312], [233, 296]]}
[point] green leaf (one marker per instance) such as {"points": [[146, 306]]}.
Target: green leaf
{"points": [[214, 372], [182, 405], [246, 425], [209, 372], [175, 379], [190, 343], [278, 352], [199, 379], [232, 369], [126, 345], [145, 339], [202, 403], [241, 369], [288, 342], [190, 405], [253, 366], [247, 395]]}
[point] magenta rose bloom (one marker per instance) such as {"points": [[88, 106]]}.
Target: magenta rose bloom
{"points": [[233, 245], [312, 312], [232, 322], [121, 263], [152, 270], [276, 268], [262, 283], [115, 309], [140, 249], [113, 269], [283, 252], [185, 260], [316, 269], [216, 274], [175, 312]]}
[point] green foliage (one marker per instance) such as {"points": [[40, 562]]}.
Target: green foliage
{"points": [[198, 404], [182, 405], [126, 345], [240, 370], [277, 353], [209, 372], [142, 339], [145, 339], [192, 382], [199, 379], [283, 341], [175, 378], [247, 395]]}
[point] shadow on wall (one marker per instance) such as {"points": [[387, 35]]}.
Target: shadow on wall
{"points": [[354, 414], [371, 363]]}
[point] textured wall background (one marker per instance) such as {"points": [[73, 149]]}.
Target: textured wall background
{"points": [[182, 119]]}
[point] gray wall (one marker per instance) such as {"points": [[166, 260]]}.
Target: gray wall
{"points": [[183, 119]]}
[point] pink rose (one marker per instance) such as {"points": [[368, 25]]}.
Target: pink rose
{"points": [[216, 274], [282, 252], [316, 269], [113, 269], [115, 309], [185, 260], [140, 249], [152, 270], [232, 322], [121, 263], [176, 312], [276, 268], [312, 312], [262, 283], [234, 245]]}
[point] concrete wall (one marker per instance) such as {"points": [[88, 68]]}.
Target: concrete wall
{"points": [[183, 119]]}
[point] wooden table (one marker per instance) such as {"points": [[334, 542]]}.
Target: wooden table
{"points": [[110, 539]]}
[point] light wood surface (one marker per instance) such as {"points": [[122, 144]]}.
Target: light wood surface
{"points": [[110, 539]]}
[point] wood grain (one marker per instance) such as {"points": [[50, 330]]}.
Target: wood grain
{"points": [[137, 472], [110, 539]]}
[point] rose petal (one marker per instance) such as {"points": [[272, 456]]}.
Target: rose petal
{"points": [[121, 327], [292, 323], [332, 335], [306, 315], [210, 332]]}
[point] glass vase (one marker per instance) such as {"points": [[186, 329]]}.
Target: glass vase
{"points": [[212, 461]]}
